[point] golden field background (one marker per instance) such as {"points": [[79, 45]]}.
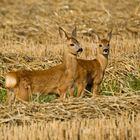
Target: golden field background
{"points": [[29, 39]]}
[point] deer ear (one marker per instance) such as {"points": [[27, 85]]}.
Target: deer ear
{"points": [[95, 37], [109, 36], [62, 33], [74, 32]]}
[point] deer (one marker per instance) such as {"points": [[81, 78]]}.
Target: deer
{"points": [[22, 84], [90, 73]]}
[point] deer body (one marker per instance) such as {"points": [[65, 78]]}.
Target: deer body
{"points": [[91, 72], [25, 83]]}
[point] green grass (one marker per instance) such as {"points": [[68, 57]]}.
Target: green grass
{"points": [[107, 93], [75, 90], [2, 89], [44, 98], [133, 82], [110, 87], [2, 95]]}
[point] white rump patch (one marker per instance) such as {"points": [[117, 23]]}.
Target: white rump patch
{"points": [[10, 81]]}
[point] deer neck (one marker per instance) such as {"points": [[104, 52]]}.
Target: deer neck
{"points": [[103, 60], [70, 60]]}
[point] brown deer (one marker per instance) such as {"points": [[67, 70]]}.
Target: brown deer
{"points": [[90, 73], [25, 83]]}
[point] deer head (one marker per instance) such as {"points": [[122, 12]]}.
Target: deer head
{"points": [[102, 45], [73, 46]]}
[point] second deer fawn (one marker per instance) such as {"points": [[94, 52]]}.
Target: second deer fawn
{"points": [[22, 84], [90, 73]]}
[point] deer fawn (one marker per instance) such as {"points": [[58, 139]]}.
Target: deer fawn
{"points": [[25, 83], [67, 81], [90, 73]]}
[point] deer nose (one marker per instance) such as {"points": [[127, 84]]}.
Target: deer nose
{"points": [[106, 50], [80, 50]]}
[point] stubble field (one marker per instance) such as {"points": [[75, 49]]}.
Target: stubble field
{"points": [[29, 39]]}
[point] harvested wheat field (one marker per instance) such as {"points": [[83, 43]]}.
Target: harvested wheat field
{"points": [[29, 39]]}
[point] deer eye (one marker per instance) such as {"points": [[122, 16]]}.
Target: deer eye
{"points": [[72, 44], [108, 45], [100, 45]]}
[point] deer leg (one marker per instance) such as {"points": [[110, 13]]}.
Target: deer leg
{"points": [[80, 89], [10, 97], [68, 88], [24, 92], [96, 89], [62, 92], [73, 89], [96, 84]]}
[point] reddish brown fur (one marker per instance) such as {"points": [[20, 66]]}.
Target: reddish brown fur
{"points": [[91, 72], [42, 81]]}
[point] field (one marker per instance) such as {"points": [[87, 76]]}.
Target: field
{"points": [[29, 39]]}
